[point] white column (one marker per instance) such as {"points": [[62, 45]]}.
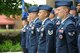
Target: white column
{"points": [[7, 26]]}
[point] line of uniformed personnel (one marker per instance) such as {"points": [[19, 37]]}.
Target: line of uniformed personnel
{"points": [[52, 31]]}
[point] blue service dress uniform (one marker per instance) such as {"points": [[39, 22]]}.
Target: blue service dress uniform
{"points": [[23, 39], [66, 37], [51, 37], [33, 37], [27, 35], [46, 30], [78, 33]]}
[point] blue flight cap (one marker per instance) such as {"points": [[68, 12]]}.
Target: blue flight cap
{"points": [[45, 7], [33, 9], [24, 15], [73, 8], [52, 11], [63, 3]]}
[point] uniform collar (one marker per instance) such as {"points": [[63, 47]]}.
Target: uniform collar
{"points": [[44, 21], [35, 20], [52, 19], [66, 18]]}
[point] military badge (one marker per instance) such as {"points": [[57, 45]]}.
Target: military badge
{"points": [[42, 29], [58, 23], [50, 32], [32, 27], [71, 33], [41, 34], [27, 27], [60, 36], [32, 32], [37, 29], [61, 30]]}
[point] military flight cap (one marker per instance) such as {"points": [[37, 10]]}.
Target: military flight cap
{"points": [[45, 7], [33, 9], [63, 3]]}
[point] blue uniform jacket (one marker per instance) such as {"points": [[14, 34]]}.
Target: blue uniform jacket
{"points": [[33, 37], [46, 29], [66, 37]]}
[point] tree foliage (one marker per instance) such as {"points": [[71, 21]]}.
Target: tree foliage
{"points": [[10, 7]]}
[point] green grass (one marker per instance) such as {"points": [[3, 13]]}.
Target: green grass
{"points": [[9, 30]]}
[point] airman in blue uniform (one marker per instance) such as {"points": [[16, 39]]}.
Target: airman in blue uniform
{"points": [[66, 40], [52, 39], [46, 31], [33, 13], [23, 32]]}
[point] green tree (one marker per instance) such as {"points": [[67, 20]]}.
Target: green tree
{"points": [[10, 7]]}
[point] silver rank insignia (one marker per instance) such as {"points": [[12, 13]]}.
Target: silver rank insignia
{"points": [[60, 36], [41, 34], [61, 30], [71, 33], [50, 32], [58, 23], [32, 32], [42, 29], [32, 27], [38, 29], [27, 27]]}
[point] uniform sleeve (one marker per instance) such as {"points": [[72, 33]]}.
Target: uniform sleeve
{"points": [[71, 38]]}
